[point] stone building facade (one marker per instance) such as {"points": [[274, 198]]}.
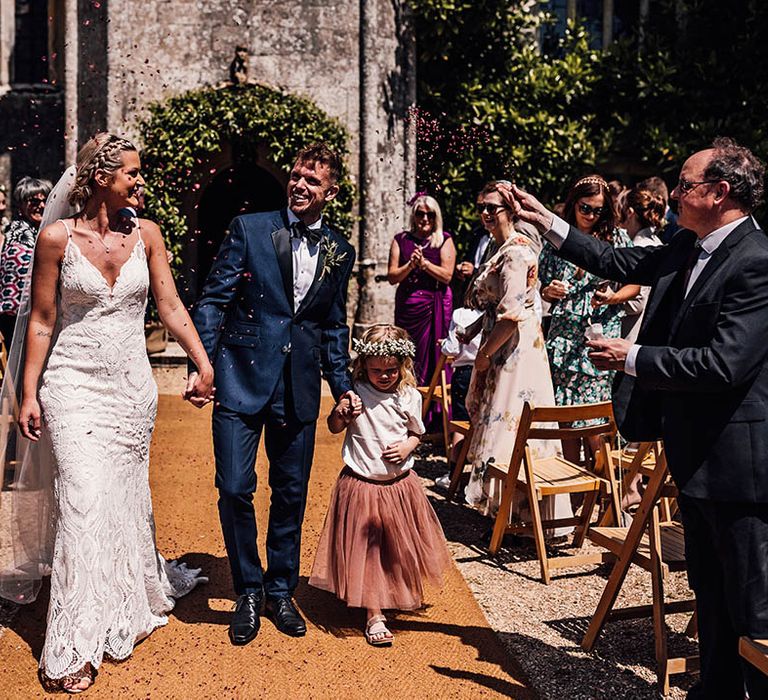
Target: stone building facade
{"points": [[70, 68]]}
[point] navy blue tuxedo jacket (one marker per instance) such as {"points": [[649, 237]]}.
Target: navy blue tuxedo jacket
{"points": [[702, 371], [249, 326]]}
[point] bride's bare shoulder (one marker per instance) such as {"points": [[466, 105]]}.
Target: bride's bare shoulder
{"points": [[54, 236]]}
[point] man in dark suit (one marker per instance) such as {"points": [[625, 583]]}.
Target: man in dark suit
{"points": [[272, 316], [698, 378]]}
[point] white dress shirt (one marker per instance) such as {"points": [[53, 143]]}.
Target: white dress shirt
{"points": [[707, 245], [305, 258], [463, 353]]}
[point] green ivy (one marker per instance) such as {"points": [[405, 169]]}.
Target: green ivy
{"points": [[182, 133]]}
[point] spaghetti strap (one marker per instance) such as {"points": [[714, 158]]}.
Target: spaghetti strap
{"points": [[138, 229], [66, 226]]}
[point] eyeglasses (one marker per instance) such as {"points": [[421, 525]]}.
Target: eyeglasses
{"points": [[490, 208], [587, 210], [429, 214], [685, 186], [35, 201]]}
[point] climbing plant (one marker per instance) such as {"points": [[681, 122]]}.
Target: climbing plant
{"points": [[181, 134]]}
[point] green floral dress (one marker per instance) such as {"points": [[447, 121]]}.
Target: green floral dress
{"points": [[575, 378]]}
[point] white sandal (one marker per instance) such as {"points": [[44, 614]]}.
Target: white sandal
{"points": [[376, 632]]}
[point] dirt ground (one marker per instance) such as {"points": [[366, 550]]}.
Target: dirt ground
{"points": [[446, 650]]}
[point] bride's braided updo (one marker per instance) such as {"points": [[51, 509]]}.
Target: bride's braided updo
{"points": [[102, 152]]}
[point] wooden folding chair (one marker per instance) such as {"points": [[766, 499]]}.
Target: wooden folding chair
{"points": [[756, 652], [552, 476], [438, 392], [657, 545], [463, 427]]}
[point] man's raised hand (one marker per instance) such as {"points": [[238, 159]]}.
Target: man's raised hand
{"points": [[526, 207]]}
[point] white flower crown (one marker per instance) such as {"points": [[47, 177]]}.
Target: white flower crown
{"points": [[385, 348]]}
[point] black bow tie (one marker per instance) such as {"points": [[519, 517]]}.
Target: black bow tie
{"points": [[300, 230]]}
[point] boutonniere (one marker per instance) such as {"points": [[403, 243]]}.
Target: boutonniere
{"points": [[332, 257]]}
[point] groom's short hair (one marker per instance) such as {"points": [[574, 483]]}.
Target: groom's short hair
{"points": [[321, 153]]}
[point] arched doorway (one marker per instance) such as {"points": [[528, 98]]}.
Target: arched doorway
{"points": [[243, 188]]}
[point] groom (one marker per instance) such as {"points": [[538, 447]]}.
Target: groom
{"points": [[272, 317]]}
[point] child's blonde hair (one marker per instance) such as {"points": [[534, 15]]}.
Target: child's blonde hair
{"points": [[385, 340]]}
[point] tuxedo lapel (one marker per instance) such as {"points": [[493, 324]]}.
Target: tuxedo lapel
{"points": [[719, 256], [318, 279], [281, 239]]}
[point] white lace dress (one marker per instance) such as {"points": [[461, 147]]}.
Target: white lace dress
{"points": [[109, 585]]}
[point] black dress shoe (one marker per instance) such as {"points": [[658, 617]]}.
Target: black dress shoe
{"points": [[245, 622], [286, 617]]}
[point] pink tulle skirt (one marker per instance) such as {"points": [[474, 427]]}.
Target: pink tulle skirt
{"points": [[380, 542]]}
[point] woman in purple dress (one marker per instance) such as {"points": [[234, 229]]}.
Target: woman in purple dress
{"points": [[421, 263]]}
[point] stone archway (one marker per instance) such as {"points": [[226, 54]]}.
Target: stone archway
{"points": [[194, 142]]}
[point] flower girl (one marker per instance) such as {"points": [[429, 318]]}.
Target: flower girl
{"points": [[381, 538]]}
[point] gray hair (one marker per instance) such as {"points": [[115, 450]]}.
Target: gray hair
{"points": [[740, 168], [30, 187]]}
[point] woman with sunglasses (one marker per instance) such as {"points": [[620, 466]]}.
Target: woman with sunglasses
{"points": [[421, 263], [589, 207], [29, 197], [511, 364]]}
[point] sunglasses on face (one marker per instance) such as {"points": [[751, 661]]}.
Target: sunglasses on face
{"points": [[685, 186], [490, 208], [587, 210], [428, 214]]}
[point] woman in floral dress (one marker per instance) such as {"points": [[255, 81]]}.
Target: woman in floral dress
{"points": [[511, 365], [590, 208]]}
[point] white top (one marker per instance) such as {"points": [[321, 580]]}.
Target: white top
{"points": [[304, 261], [387, 418], [463, 353], [708, 245]]}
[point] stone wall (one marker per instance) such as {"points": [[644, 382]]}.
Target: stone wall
{"points": [[159, 48]]}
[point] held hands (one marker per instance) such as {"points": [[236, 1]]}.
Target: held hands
{"points": [[349, 407], [29, 419], [526, 207], [199, 390], [609, 353]]}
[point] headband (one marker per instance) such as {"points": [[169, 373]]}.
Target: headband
{"points": [[390, 347]]}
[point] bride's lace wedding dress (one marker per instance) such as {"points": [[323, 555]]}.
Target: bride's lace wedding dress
{"points": [[109, 585]]}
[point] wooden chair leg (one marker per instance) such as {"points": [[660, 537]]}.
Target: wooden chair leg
{"points": [[692, 630], [503, 514], [587, 508], [659, 621], [458, 468], [538, 532], [620, 568]]}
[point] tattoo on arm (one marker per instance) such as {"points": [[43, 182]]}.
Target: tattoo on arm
{"points": [[44, 334]]}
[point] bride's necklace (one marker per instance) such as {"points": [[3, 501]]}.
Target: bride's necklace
{"points": [[96, 233]]}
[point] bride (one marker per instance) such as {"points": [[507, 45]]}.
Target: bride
{"points": [[88, 391]]}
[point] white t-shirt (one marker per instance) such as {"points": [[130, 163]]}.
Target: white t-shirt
{"points": [[387, 418]]}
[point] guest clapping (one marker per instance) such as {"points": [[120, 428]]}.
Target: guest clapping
{"points": [[421, 263]]}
